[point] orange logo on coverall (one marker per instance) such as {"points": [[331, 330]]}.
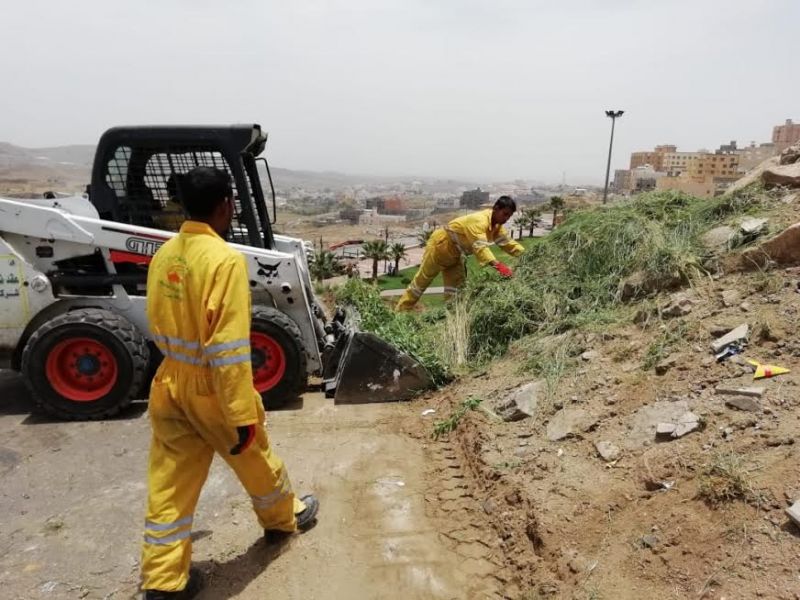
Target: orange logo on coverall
{"points": [[176, 274]]}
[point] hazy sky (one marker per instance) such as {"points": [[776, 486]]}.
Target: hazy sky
{"points": [[462, 88]]}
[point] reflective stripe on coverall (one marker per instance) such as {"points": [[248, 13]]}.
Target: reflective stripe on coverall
{"points": [[470, 234], [198, 307]]}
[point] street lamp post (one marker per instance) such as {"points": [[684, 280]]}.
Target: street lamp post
{"points": [[613, 114]]}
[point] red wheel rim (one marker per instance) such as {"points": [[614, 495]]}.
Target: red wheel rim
{"points": [[269, 361], [81, 369]]}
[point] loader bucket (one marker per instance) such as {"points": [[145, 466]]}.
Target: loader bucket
{"points": [[368, 369]]}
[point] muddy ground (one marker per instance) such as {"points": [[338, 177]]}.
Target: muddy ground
{"points": [[523, 510], [700, 516], [72, 497]]}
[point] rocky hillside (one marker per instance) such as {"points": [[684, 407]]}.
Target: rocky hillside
{"points": [[610, 407]]}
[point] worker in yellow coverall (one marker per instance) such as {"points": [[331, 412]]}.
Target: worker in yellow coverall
{"points": [[448, 247], [202, 398]]}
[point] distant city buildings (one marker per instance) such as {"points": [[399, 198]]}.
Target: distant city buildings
{"points": [[474, 199], [785, 135], [702, 173]]}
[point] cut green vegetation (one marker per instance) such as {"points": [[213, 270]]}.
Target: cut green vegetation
{"points": [[581, 277], [444, 427], [409, 332]]}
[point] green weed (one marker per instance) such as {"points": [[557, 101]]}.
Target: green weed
{"points": [[664, 344], [446, 426]]}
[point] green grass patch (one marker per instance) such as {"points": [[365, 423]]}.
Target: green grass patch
{"points": [[447, 425], [572, 277], [664, 344]]}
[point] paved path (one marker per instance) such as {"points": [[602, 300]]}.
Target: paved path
{"points": [[399, 292], [72, 496]]}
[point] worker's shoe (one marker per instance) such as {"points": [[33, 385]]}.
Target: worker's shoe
{"points": [[307, 518], [305, 521], [193, 587]]}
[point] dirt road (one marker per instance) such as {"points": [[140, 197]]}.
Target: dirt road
{"points": [[72, 498]]}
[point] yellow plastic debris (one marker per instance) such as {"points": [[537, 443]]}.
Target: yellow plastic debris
{"points": [[764, 371]]}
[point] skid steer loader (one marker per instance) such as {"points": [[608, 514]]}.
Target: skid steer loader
{"points": [[73, 273]]}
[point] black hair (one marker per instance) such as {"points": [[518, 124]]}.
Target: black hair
{"points": [[506, 202], [203, 189]]}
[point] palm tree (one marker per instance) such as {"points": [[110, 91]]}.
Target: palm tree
{"points": [[423, 235], [376, 250], [522, 220], [556, 203], [397, 251], [324, 264], [532, 215]]}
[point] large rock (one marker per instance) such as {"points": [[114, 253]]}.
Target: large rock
{"points": [[522, 402], [679, 305], [751, 226], [643, 423], [790, 155], [719, 238], [783, 249], [785, 175], [569, 422], [639, 284], [753, 175]]}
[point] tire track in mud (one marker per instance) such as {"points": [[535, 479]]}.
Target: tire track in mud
{"points": [[475, 492], [462, 523]]}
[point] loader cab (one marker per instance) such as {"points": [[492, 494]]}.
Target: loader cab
{"points": [[137, 170]]}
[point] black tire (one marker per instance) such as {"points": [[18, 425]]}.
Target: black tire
{"points": [[107, 335], [285, 332]]}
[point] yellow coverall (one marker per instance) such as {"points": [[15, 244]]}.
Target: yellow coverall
{"points": [[198, 307], [447, 248]]}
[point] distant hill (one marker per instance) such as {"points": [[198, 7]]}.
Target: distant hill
{"points": [[76, 156], [49, 164]]}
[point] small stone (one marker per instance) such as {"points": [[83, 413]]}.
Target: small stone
{"points": [[569, 422], [679, 305], [687, 423], [488, 506], [666, 364], [793, 513], [750, 392], [745, 307], [607, 451], [730, 298], [590, 355], [735, 335], [683, 429], [522, 402], [649, 541], [752, 227], [665, 429], [743, 403]]}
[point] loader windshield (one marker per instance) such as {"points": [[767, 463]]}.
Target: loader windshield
{"points": [[147, 185]]}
